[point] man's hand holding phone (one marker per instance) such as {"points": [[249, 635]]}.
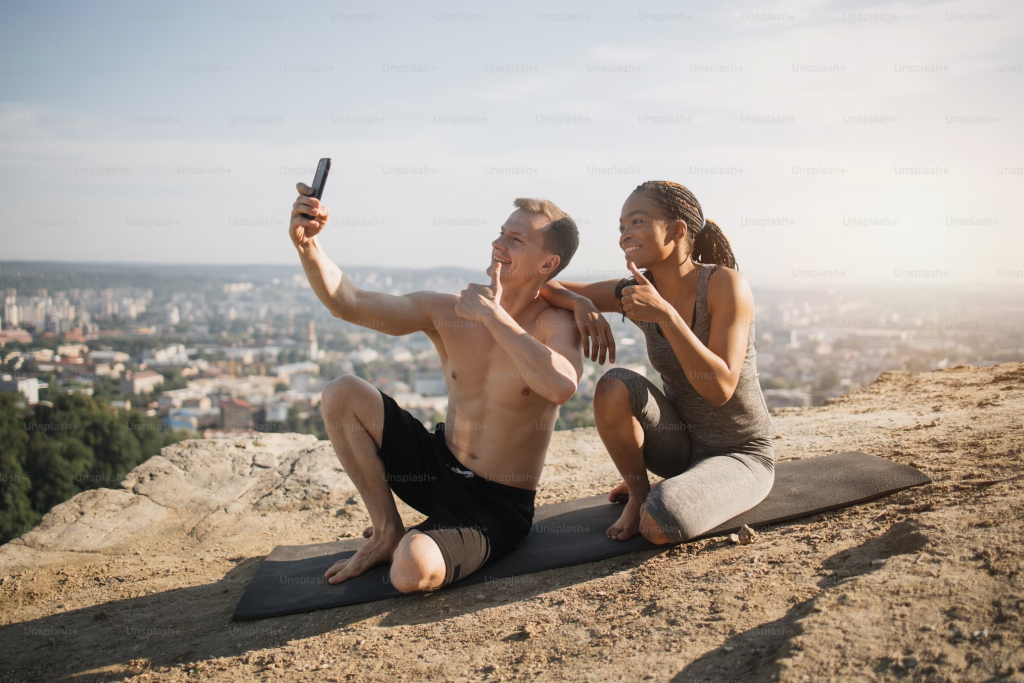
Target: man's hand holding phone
{"points": [[308, 216]]}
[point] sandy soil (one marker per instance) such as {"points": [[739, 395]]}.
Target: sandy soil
{"points": [[139, 584]]}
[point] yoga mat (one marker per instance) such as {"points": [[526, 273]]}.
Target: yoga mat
{"points": [[290, 580]]}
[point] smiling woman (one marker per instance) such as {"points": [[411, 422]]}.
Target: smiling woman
{"points": [[709, 434]]}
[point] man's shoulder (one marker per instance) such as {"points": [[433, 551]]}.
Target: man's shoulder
{"points": [[553, 319]]}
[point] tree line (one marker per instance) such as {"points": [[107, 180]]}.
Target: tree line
{"points": [[49, 453]]}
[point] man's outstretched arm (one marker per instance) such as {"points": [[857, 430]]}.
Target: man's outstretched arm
{"points": [[395, 315]]}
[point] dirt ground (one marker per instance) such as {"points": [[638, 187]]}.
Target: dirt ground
{"points": [[139, 583]]}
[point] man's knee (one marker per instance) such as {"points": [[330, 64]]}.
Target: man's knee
{"points": [[339, 391], [418, 564]]}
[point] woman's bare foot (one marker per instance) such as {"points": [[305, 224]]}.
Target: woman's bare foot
{"points": [[628, 524], [368, 531], [379, 550], [620, 494]]}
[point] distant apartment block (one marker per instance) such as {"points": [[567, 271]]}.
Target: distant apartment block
{"points": [[15, 335], [141, 382], [26, 386], [235, 414]]}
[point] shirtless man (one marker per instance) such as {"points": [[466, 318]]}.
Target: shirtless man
{"points": [[509, 359]]}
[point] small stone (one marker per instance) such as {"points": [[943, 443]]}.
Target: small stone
{"points": [[980, 635], [480, 596], [747, 535], [927, 627], [734, 538], [728, 648]]}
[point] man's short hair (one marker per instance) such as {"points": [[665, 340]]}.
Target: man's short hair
{"points": [[561, 237]]}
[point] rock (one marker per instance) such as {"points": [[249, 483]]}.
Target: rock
{"points": [[980, 635], [734, 538], [202, 484], [268, 460]]}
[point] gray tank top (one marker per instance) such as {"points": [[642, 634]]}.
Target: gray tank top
{"points": [[743, 417]]}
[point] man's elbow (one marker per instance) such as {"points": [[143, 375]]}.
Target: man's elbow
{"points": [[563, 393]]}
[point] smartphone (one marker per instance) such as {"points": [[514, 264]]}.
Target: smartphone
{"points": [[319, 180]]}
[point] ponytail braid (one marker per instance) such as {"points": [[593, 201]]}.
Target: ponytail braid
{"points": [[712, 246]]}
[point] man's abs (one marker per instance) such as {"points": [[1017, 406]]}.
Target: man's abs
{"points": [[496, 426], [504, 446]]}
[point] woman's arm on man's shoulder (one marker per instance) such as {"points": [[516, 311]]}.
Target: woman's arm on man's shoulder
{"points": [[587, 301], [562, 294]]}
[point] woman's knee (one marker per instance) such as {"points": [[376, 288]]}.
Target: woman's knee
{"points": [[611, 398], [677, 525]]}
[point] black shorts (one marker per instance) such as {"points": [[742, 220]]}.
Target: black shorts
{"points": [[474, 521]]}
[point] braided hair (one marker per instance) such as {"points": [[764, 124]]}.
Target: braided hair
{"points": [[706, 244]]}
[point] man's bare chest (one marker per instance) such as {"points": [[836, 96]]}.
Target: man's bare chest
{"points": [[475, 363]]}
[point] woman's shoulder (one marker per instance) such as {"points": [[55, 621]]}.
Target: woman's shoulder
{"points": [[727, 285]]}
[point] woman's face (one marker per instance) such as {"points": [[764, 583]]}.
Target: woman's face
{"points": [[646, 237]]}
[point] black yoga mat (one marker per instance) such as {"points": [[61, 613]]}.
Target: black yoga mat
{"points": [[290, 580]]}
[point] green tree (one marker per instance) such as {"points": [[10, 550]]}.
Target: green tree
{"points": [[51, 453], [16, 513]]}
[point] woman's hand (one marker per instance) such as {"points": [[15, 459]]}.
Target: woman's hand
{"points": [[598, 340], [642, 302]]}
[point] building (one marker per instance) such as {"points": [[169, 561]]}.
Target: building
{"points": [[27, 386], [108, 356], [314, 351], [175, 354], [15, 335], [141, 382], [285, 372], [235, 414], [72, 350]]}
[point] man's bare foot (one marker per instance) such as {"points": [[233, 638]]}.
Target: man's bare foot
{"points": [[628, 524], [379, 550], [620, 494]]}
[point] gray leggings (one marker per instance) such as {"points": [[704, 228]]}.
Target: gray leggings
{"points": [[703, 486]]}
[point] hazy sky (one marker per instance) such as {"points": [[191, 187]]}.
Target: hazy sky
{"points": [[832, 145]]}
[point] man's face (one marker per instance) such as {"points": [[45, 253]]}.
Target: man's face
{"points": [[520, 247]]}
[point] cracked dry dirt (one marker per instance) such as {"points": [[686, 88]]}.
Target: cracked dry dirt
{"points": [[139, 583]]}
